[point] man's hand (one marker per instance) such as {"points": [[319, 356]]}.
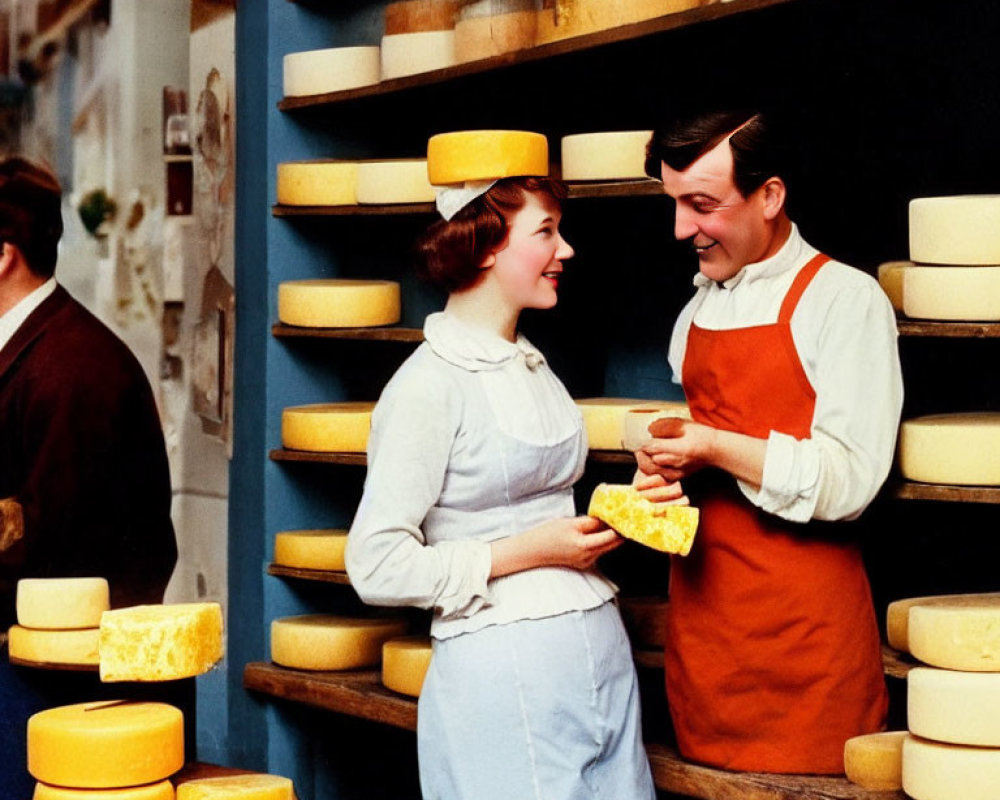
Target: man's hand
{"points": [[678, 449]]}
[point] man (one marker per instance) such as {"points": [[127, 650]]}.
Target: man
{"points": [[790, 366]]}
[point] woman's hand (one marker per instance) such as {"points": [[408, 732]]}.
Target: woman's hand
{"points": [[658, 489], [574, 542]]}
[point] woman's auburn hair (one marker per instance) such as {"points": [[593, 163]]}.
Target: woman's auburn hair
{"points": [[450, 254]]}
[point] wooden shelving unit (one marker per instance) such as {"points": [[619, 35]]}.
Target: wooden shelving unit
{"points": [[387, 334], [360, 459], [910, 490], [321, 575], [951, 330]]}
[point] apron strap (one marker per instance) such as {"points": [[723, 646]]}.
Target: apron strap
{"points": [[802, 280]]}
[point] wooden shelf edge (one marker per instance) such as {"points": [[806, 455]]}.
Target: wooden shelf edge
{"points": [[911, 490], [897, 664], [321, 575], [311, 457], [953, 330], [374, 334]]}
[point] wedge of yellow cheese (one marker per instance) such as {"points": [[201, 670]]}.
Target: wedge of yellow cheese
{"points": [[256, 786], [897, 625], [875, 760], [321, 182], [56, 603], [405, 661], [330, 642], [963, 636], [484, 155], [327, 427], [936, 771], [311, 549], [161, 790], [958, 448], [605, 156], [338, 303], [957, 707], [77, 647], [665, 527]]}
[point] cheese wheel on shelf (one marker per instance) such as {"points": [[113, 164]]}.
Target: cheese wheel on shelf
{"points": [[320, 182], [875, 760], [412, 16], [956, 707], [404, 664], [78, 647], [338, 303], [327, 427], [956, 448], [53, 603], [605, 419], [898, 613], [161, 790], [402, 180], [329, 642], [638, 420], [663, 526], [311, 549], [563, 19], [332, 69], [890, 278], [959, 294], [962, 635], [488, 28], [104, 745], [610, 156], [961, 230], [485, 155], [413, 53], [253, 786], [937, 771]]}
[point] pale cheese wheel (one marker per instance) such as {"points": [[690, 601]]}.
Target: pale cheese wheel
{"points": [[72, 647], [638, 420], [321, 182], [962, 230], [401, 180], [875, 760], [405, 662], [338, 303], [898, 613], [936, 771], [959, 448], [486, 37], [963, 636], [311, 549], [327, 427], [484, 155], [413, 53], [563, 19], [604, 419], [329, 642], [610, 156], [332, 69], [51, 603], [955, 294], [253, 786], [161, 790], [412, 16], [103, 745], [890, 278], [956, 707]]}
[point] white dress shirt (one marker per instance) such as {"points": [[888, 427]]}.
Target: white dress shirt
{"points": [[15, 317]]}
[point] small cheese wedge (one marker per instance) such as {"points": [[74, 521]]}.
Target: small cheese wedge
{"points": [[960, 635], [951, 448], [320, 182], [936, 771], [311, 549], [402, 180], [105, 745], [54, 603], [255, 786], [950, 706], [161, 790], [662, 526], [412, 53], [958, 294], [606, 156], [890, 277], [875, 760], [897, 625], [962, 229], [411, 16], [160, 642], [77, 647], [605, 419], [484, 155], [327, 427], [405, 662], [329, 642], [332, 69], [338, 303]]}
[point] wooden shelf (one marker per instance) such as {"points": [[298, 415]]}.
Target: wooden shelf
{"points": [[955, 330], [376, 334], [361, 459], [897, 664], [322, 575], [911, 490]]}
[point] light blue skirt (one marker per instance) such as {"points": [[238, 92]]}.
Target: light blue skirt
{"points": [[535, 710]]}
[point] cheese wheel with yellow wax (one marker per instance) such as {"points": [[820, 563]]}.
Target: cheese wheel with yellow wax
{"points": [[412, 53], [897, 625], [321, 182], [485, 155], [937, 771], [412, 16], [311, 549], [956, 448], [662, 526], [338, 303], [331, 69], [254, 786], [563, 19], [605, 418], [329, 642], [875, 760], [961, 230], [402, 180], [957, 294], [487, 28], [107, 744], [327, 427], [77, 646], [890, 278], [161, 790], [615, 155], [951, 706], [52, 603], [404, 664], [961, 635]]}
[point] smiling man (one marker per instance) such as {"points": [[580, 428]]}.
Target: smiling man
{"points": [[789, 363]]}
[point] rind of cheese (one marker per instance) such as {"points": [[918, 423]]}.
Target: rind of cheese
{"points": [[563, 19], [897, 617], [405, 662], [957, 635], [936, 771], [321, 182], [401, 180], [413, 53], [485, 37], [608, 156], [951, 448], [890, 277], [160, 642], [161, 790], [605, 418], [327, 427], [329, 642], [875, 760], [638, 420], [959, 294], [78, 646], [956, 707], [332, 69], [412, 16], [254, 786], [484, 155], [53, 603], [338, 303], [662, 526], [311, 549], [961, 230], [104, 745]]}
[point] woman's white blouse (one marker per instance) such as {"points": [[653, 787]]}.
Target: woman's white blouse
{"points": [[474, 439]]}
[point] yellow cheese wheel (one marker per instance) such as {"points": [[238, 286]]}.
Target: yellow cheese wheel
{"points": [[160, 642], [960, 635], [401, 180], [956, 707], [964, 230], [327, 427], [898, 613], [961, 294], [51, 603], [604, 418], [255, 786], [321, 182], [875, 760], [610, 156], [338, 303], [487, 28], [890, 278], [311, 549], [936, 771], [562, 19], [404, 664], [161, 790], [77, 646], [412, 16], [485, 155], [328, 642], [662, 526], [412, 53], [332, 69], [103, 745], [638, 420], [951, 449]]}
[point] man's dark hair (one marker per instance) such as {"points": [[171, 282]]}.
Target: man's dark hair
{"points": [[31, 213]]}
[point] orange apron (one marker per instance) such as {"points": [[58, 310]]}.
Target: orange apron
{"points": [[773, 656]]}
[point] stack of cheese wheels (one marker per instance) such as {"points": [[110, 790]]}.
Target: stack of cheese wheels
{"points": [[318, 182], [621, 423], [487, 28], [104, 749], [419, 37], [333, 69], [562, 19], [329, 642], [338, 303], [249, 786], [956, 448], [58, 621], [609, 156], [405, 661], [311, 549], [327, 427]]}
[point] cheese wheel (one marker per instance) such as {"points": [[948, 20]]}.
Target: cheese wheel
{"points": [[103, 745], [638, 420], [563, 19], [662, 526], [890, 278], [255, 786], [956, 707], [478, 37], [412, 53], [51, 603], [951, 449], [161, 790], [160, 642], [311, 549], [332, 69], [616, 155], [402, 180], [78, 647], [412, 16], [485, 155], [936, 771], [898, 613], [338, 303], [964, 229], [404, 664], [970, 294], [604, 418], [322, 182], [963, 636], [875, 760], [328, 642], [327, 427]]}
